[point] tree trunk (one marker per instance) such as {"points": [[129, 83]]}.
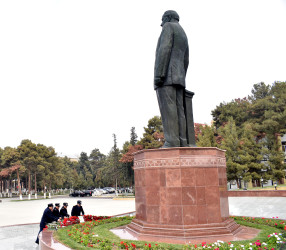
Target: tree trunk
{"points": [[31, 178], [35, 183], [29, 185], [29, 181], [19, 185], [116, 187], [50, 189], [238, 183], [44, 189]]}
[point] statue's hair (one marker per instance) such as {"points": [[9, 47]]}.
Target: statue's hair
{"points": [[172, 14]]}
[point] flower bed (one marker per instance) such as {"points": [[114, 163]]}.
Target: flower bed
{"points": [[88, 235], [274, 222]]}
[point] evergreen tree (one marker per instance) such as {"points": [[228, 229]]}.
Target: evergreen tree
{"points": [[265, 111], [274, 158], [97, 161], [238, 109], [84, 171], [133, 136], [207, 137], [116, 166], [259, 91], [127, 156], [252, 156], [68, 172], [153, 136], [268, 112], [29, 158], [76, 181], [236, 169]]}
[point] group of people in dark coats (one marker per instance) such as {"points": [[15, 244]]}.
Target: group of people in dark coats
{"points": [[52, 213], [61, 213]]}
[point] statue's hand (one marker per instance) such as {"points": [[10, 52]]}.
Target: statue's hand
{"points": [[159, 81]]}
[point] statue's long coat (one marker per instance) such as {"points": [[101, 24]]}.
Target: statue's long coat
{"points": [[172, 55]]}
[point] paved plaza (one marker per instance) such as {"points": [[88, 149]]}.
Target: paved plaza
{"points": [[25, 212], [267, 207], [22, 212]]}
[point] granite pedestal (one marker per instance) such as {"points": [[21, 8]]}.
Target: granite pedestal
{"points": [[181, 193]]}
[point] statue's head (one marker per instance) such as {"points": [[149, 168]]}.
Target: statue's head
{"points": [[169, 15]]}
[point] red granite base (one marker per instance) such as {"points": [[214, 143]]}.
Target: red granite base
{"points": [[181, 192], [245, 233], [228, 227], [47, 242]]}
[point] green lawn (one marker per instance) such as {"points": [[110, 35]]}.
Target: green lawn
{"points": [[91, 235]]}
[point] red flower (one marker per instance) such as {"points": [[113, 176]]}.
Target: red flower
{"points": [[196, 246], [149, 245], [257, 243]]}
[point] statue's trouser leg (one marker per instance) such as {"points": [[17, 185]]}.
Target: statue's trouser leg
{"points": [[181, 117], [168, 107]]}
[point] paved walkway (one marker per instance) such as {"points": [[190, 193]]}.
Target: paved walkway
{"points": [[19, 237], [267, 207], [24, 212]]}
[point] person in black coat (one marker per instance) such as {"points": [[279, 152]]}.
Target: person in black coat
{"points": [[56, 211], [64, 211], [47, 217], [77, 209]]}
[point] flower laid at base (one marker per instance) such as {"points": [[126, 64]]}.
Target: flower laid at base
{"points": [[93, 217], [83, 234]]}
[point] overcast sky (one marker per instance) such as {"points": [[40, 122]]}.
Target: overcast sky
{"points": [[72, 73]]}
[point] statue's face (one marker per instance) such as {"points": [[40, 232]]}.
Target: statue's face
{"points": [[165, 19]]}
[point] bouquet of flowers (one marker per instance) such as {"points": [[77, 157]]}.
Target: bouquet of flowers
{"points": [[69, 221], [52, 226], [93, 217]]}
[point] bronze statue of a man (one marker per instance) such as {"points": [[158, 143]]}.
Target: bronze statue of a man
{"points": [[172, 60]]}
